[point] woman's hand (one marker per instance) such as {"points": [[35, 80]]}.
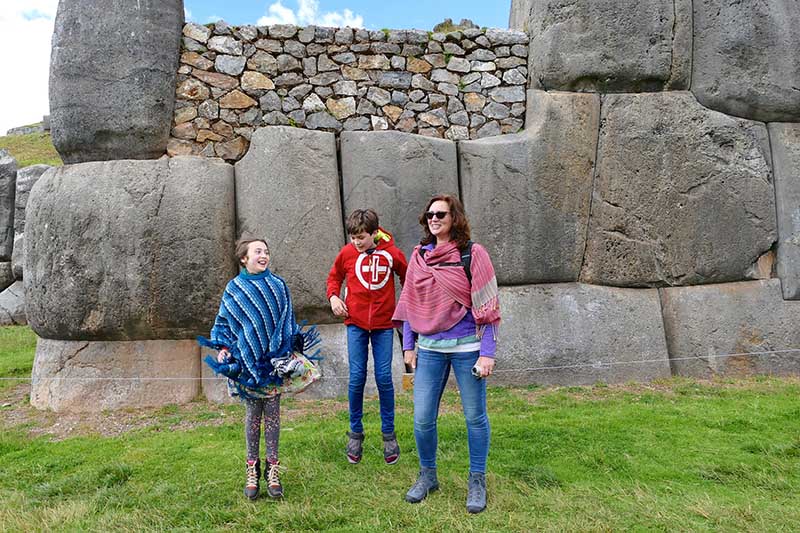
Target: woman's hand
{"points": [[338, 307], [223, 355], [410, 358], [486, 364]]}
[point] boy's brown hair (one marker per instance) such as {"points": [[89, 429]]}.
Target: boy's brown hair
{"points": [[243, 243], [362, 220]]}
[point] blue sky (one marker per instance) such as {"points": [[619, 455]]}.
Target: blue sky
{"points": [[408, 14], [28, 27]]}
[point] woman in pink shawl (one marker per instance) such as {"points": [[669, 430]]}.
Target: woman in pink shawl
{"points": [[453, 319]]}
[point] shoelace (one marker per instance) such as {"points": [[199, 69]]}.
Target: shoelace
{"points": [[273, 478], [252, 475]]}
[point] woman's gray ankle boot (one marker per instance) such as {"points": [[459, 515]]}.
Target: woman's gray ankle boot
{"points": [[426, 483], [476, 492]]}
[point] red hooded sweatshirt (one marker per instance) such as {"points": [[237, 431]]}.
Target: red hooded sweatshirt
{"points": [[370, 281]]}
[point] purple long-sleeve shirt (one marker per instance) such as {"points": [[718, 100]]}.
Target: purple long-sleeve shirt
{"points": [[464, 328]]}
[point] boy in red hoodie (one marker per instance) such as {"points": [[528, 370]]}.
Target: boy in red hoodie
{"points": [[368, 263]]}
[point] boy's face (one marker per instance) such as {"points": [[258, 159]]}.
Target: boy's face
{"points": [[363, 241], [257, 258]]}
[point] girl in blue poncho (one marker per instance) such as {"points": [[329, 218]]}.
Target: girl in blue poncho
{"points": [[255, 324]]}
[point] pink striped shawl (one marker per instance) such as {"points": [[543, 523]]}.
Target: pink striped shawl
{"points": [[435, 298]]}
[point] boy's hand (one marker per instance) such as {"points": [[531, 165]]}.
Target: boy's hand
{"points": [[223, 355], [338, 307], [410, 358]]}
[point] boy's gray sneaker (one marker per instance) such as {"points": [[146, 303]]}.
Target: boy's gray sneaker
{"points": [[354, 446], [476, 492], [425, 484], [391, 450]]}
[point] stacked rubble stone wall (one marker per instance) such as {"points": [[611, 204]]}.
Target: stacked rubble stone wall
{"points": [[460, 85], [643, 223]]}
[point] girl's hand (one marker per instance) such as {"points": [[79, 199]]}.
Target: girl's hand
{"points": [[338, 307], [410, 358], [223, 355], [486, 364]]}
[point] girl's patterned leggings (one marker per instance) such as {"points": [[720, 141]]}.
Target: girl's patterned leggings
{"points": [[270, 410]]}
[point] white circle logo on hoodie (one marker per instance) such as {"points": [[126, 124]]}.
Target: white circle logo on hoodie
{"points": [[374, 270]]}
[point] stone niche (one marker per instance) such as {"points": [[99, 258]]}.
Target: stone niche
{"points": [[129, 250]]}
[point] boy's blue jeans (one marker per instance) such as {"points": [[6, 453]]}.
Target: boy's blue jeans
{"points": [[358, 340], [430, 378]]}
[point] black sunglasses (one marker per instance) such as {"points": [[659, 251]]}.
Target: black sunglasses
{"points": [[438, 214]]}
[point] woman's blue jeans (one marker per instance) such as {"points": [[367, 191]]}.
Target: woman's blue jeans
{"points": [[430, 378], [358, 340]]}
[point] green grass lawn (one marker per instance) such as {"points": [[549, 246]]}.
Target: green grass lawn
{"points": [[676, 455], [31, 149]]}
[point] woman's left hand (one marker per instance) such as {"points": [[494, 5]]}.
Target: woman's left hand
{"points": [[486, 365]]}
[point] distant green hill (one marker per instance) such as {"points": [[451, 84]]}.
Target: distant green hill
{"points": [[31, 149]]}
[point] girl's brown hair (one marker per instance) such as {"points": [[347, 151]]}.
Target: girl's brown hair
{"points": [[459, 231], [243, 243]]}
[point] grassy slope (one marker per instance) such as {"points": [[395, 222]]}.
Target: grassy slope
{"points": [[682, 456], [31, 149]]}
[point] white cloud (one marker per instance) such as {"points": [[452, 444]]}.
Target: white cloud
{"points": [[308, 13], [187, 15], [25, 56]]}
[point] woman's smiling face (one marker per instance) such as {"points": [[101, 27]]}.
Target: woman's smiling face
{"points": [[440, 227]]}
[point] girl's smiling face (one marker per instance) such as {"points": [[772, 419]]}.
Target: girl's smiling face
{"points": [[257, 258]]}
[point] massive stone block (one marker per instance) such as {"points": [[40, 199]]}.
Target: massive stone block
{"points": [[620, 46], [6, 275], [12, 305], [81, 376], [519, 14], [287, 191], [682, 196], [129, 250], [396, 174], [785, 143], [527, 195], [8, 176], [576, 334], [745, 58], [712, 329], [112, 78], [26, 179]]}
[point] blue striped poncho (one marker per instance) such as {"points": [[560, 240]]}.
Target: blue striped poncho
{"points": [[255, 323]]}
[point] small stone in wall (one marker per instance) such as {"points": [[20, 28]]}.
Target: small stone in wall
{"points": [[197, 32], [489, 129], [176, 147], [196, 60], [379, 123], [236, 100], [341, 108], [313, 104], [215, 79], [255, 80], [185, 114], [457, 133], [232, 65], [192, 89], [232, 150], [323, 121]]}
